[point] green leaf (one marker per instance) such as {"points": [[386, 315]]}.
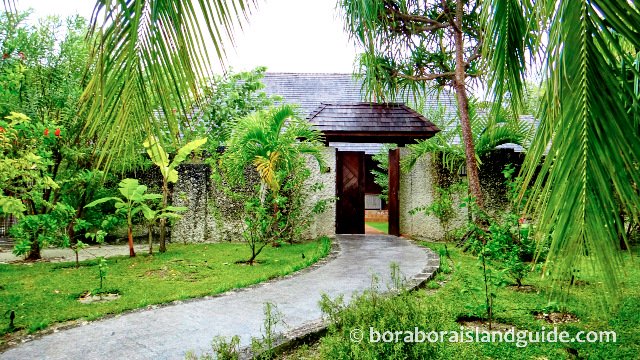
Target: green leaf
{"points": [[148, 213], [104, 200], [184, 151], [157, 154]]}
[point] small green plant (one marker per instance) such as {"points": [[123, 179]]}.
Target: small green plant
{"points": [[442, 207], [222, 349], [263, 348], [40, 325], [102, 271], [271, 145], [152, 216], [134, 202], [355, 331], [433, 285]]}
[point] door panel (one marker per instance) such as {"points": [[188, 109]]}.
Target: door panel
{"points": [[350, 190]]}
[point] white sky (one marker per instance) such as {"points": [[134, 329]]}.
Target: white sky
{"points": [[284, 35]]}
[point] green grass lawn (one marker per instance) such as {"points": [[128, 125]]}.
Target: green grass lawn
{"points": [[458, 291], [45, 293], [382, 226]]}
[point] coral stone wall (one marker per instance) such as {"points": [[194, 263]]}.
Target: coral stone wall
{"points": [[213, 216], [324, 223], [417, 188], [192, 191]]}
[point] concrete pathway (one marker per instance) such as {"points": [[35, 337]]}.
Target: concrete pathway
{"points": [[90, 252], [169, 332]]}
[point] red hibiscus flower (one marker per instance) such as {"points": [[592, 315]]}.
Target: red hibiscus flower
{"points": [[46, 132], [57, 133]]}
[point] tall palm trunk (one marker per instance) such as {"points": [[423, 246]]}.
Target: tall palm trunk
{"points": [[463, 107]]}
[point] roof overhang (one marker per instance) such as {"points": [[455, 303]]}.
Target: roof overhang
{"points": [[371, 123]]}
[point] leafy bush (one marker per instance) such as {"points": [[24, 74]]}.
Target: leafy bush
{"points": [[271, 145], [373, 312]]}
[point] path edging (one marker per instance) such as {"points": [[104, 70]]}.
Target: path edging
{"points": [[315, 329]]}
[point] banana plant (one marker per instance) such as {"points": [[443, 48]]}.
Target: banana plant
{"points": [[169, 172], [152, 217], [135, 200]]}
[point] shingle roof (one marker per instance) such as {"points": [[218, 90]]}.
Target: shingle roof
{"points": [[310, 90], [371, 122]]}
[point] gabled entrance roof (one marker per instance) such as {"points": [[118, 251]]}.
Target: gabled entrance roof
{"points": [[371, 123]]}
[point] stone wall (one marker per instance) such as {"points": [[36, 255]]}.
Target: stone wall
{"points": [[192, 191], [492, 179], [417, 188], [214, 216], [325, 223]]}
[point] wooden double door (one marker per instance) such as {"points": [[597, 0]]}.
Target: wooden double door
{"points": [[350, 190]]}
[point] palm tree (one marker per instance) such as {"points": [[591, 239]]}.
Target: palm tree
{"points": [[588, 142], [148, 58], [489, 130], [273, 142]]}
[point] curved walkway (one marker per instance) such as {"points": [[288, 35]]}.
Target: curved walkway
{"points": [[169, 332]]}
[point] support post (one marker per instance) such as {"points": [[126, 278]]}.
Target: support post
{"points": [[394, 188]]}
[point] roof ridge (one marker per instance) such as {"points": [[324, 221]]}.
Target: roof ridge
{"points": [[305, 73]]}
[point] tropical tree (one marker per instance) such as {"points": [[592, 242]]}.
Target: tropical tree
{"points": [[412, 45], [271, 140], [226, 99], [588, 139], [169, 172], [273, 143], [41, 76], [134, 200]]}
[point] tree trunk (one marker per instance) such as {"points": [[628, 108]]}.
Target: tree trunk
{"points": [[34, 252], [463, 106], [163, 221], [132, 253], [150, 239]]}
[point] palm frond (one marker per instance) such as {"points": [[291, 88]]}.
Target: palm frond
{"points": [[509, 25], [148, 58], [591, 170]]}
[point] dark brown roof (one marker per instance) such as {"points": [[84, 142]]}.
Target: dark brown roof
{"points": [[371, 122]]}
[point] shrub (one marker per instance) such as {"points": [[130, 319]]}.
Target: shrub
{"points": [[371, 313]]}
